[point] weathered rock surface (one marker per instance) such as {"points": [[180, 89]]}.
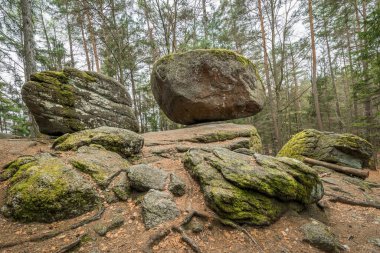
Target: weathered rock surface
{"points": [[320, 236], [73, 100], [206, 85], [344, 149], [121, 141], [251, 189], [44, 188], [102, 165], [144, 178], [158, 207]]}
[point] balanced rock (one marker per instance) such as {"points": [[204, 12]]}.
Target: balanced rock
{"points": [[121, 141], [206, 85], [252, 189], [344, 149], [44, 188], [73, 100]]}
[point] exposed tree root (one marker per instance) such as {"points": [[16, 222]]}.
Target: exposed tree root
{"points": [[353, 202], [53, 234], [156, 238], [73, 245]]}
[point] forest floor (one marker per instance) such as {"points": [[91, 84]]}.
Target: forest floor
{"points": [[354, 226]]}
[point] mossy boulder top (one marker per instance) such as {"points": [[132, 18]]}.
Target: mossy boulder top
{"points": [[122, 141], [344, 149], [206, 85], [73, 100], [254, 189]]}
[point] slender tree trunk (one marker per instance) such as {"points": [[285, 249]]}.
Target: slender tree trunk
{"points": [[68, 26], [337, 105], [47, 39], [80, 19], [205, 20], [297, 101], [93, 39], [314, 69], [267, 80]]}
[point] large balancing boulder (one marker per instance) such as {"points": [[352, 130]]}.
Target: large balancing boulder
{"points": [[73, 100], [122, 141], [206, 85], [43, 188], [343, 149], [253, 189]]}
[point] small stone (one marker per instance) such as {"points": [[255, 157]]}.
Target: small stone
{"points": [[319, 235], [375, 241], [143, 177], [158, 207], [176, 185]]}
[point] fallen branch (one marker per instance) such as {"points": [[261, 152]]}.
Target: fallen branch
{"points": [[70, 247], [53, 234], [353, 202], [338, 168]]}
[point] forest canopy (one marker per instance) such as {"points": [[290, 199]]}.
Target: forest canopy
{"points": [[319, 62]]}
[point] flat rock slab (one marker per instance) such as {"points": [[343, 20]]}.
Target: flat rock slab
{"points": [[74, 100], [344, 149], [204, 134], [206, 85], [122, 141], [158, 207]]}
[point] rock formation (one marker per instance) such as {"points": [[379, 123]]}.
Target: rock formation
{"points": [[252, 189], [73, 100], [206, 85], [344, 149]]}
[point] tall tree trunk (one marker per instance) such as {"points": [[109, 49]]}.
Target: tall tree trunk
{"points": [[314, 70], [273, 109], [80, 19], [337, 105], [92, 38], [205, 20], [29, 52], [68, 26], [297, 101]]}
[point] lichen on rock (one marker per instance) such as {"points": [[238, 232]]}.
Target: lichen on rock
{"points": [[72, 100], [46, 189], [251, 189]]}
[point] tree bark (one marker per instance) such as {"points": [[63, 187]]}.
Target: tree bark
{"points": [[93, 39], [314, 69], [80, 19]]}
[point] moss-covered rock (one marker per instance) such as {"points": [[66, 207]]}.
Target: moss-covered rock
{"points": [[251, 189], [121, 141], [46, 189], [344, 149], [207, 85], [72, 100]]}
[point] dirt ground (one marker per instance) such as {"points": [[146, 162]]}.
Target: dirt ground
{"points": [[355, 226]]}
